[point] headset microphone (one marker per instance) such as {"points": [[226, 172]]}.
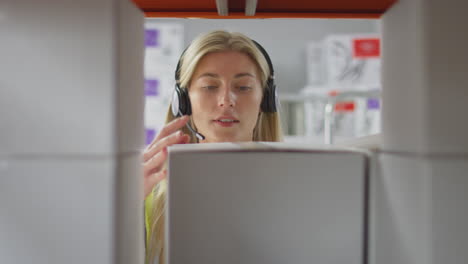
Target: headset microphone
{"points": [[196, 133], [176, 111]]}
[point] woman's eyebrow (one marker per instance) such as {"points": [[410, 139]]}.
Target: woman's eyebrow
{"points": [[214, 75], [239, 75], [208, 74]]}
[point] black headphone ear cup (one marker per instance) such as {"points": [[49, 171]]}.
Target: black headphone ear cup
{"points": [[264, 104], [270, 97], [186, 106], [274, 98], [269, 101], [181, 102]]}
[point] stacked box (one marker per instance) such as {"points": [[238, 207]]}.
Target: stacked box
{"points": [[164, 44], [352, 61], [339, 63]]}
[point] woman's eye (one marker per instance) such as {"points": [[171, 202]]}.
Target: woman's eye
{"points": [[210, 87], [244, 88]]}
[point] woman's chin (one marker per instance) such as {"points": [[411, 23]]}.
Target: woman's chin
{"points": [[224, 139], [217, 140], [220, 138]]}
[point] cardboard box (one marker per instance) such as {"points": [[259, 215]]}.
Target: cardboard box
{"points": [[265, 203], [71, 84], [418, 208], [164, 43], [352, 61]]}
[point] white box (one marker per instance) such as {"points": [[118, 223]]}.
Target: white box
{"points": [[352, 60], [57, 211], [164, 43], [72, 77], [130, 99], [418, 209], [164, 49], [315, 61], [265, 203], [64, 210], [128, 206], [425, 78]]}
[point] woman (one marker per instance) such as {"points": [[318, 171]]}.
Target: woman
{"points": [[225, 92]]}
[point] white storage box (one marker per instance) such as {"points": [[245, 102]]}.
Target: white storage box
{"points": [[265, 203]]}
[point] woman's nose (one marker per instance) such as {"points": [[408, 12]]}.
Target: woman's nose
{"points": [[227, 98]]}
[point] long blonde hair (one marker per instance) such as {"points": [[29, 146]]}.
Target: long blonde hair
{"points": [[268, 127]]}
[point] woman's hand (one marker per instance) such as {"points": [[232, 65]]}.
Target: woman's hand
{"points": [[155, 154]]}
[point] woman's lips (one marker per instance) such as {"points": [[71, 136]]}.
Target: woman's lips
{"points": [[226, 121]]}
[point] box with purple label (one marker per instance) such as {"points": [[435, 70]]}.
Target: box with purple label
{"points": [[151, 37], [151, 87], [373, 116], [150, 135], [164, 45]]}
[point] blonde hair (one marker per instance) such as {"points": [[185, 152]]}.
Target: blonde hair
{"points": [[268, 127]]}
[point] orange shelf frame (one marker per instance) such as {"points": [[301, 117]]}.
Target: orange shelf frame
{"points": [[267, 8]]}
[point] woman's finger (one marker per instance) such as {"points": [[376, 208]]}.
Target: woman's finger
{"points": [[176, 138], [170, 128], [155, 163], [152, 180]]}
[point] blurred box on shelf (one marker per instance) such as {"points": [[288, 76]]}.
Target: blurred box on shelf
{"points": [[164, 44], [346, 66], [344, 61], [355, 114], [314, 67], [368, 116]]}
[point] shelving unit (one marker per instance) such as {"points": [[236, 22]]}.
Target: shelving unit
{"points": [[266, 9]]}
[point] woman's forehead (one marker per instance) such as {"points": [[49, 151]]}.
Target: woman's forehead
{"points": [[233, 63]]}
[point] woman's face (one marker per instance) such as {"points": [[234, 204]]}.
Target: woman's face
{"points": [[225, 93]]}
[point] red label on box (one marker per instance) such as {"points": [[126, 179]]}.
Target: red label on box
{"points": [[333, 93], [344, 107], [366, 48]]}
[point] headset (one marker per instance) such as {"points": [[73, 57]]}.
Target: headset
{"points": [[181, 105]]}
